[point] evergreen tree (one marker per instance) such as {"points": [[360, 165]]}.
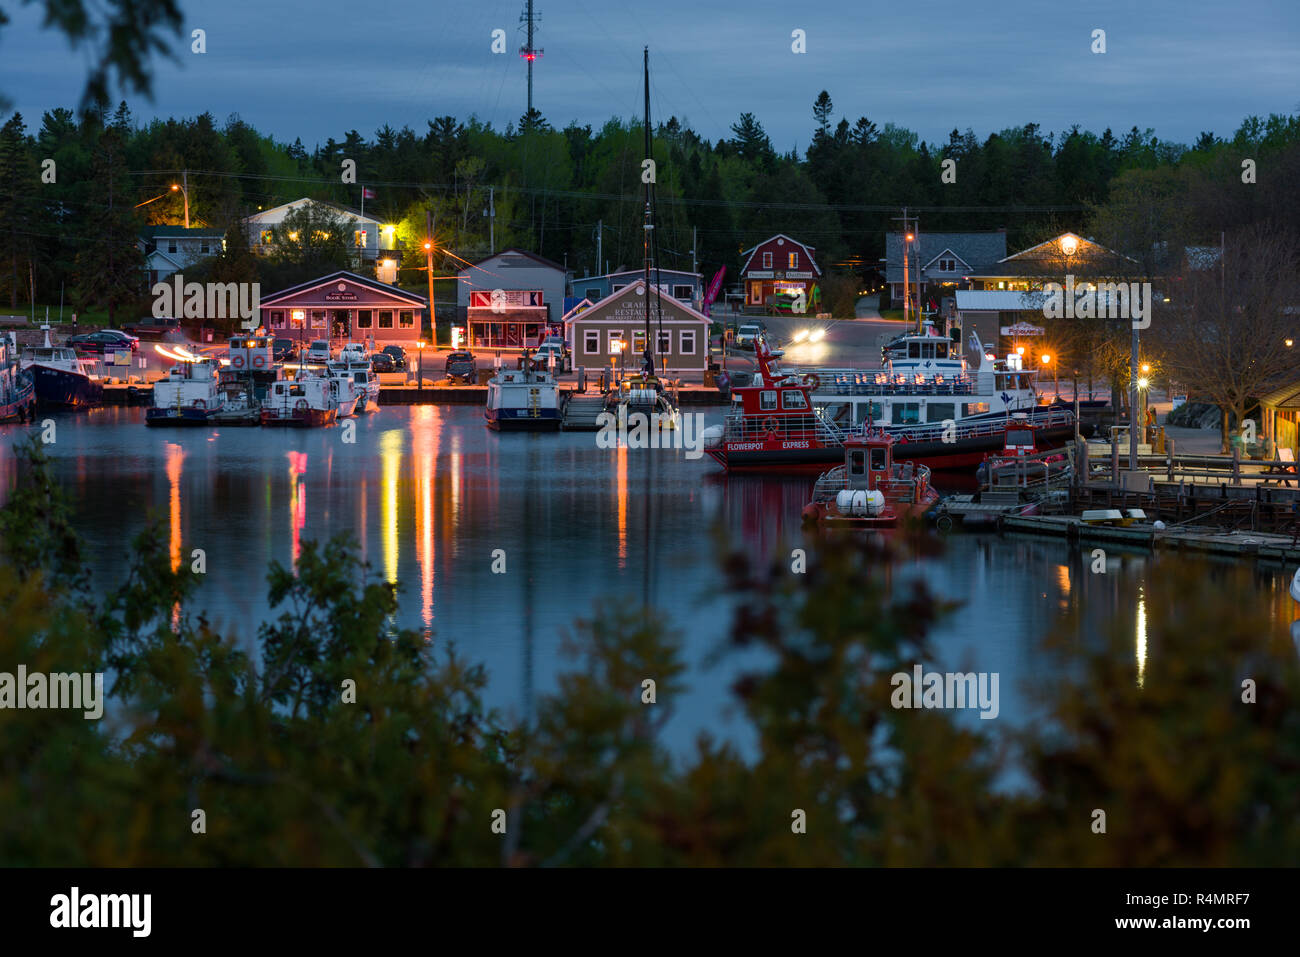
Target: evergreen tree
{"points": [[109, 268]]}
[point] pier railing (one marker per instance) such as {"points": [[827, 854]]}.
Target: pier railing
{"points": [[1039, 417], [901, 485], [857, 382], [789, 428], [1171, 467]]}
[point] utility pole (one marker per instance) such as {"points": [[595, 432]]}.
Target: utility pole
{"points": [[694, 232], [528, 51], [600, 234], [428, 254], [492, 221], [185, 191], [908, 236]]}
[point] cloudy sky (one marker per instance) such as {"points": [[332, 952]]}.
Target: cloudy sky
{"points": [[1180, 66]]}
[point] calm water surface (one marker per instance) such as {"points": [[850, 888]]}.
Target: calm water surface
{"points": [[429, 494]]}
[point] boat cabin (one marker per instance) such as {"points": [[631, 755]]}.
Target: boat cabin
{"points": [[251, 353], [1019, 439], [868, 460]]}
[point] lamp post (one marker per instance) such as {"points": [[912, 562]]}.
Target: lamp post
{"points": [[420, 381], [433, 318], [1046, 360], [185, 191]]}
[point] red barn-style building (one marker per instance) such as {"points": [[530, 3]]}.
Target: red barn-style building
{"points": [[779, 263]]}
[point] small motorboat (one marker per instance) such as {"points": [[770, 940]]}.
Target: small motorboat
{"points": [[870, 490]]}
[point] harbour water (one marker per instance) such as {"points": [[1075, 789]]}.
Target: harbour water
{"points": [[433, 499]]}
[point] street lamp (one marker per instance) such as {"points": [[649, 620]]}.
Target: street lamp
{"points": [[1046, 359], [420, 350], [184, 190], [1288, 343]]}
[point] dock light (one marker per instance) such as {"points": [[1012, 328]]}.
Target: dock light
{"points": [[1145, 368], [817, 335], [1046, 359]]}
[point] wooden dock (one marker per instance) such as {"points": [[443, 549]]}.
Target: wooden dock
{"points": [[1187, 539]]}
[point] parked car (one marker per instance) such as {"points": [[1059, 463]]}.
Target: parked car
{"points": [[319, 351], [353, 352], [748, 334], [152, 327], [134, 341], [553, 347], [283, 350], [461, 365], [398, 355], [382, 362], [100, 342]]}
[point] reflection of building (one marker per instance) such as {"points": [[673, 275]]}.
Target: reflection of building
{"points": [[508, 300], [685, 287], [345, 306], [778, 265], [681, 339]]}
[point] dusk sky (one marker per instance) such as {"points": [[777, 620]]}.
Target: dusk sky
{"points": [[315, 70]]}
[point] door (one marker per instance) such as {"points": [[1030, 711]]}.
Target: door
{"points": [[339, 326]]}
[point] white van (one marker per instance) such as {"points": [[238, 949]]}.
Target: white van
{"points": [[353, 352]]}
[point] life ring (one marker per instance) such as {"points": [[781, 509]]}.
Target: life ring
{"points": [[259, 362], [771, 425], [811, 381], [300, 404], [237, 361], [199, 404]]}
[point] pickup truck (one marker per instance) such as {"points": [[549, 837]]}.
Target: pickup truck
{"points": [[152, 328]]}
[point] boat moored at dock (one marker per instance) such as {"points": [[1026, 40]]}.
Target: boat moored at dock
{"points": [[190, 394], [870, 490], [17, 390], [522, 400], [306, 401], [61, 378]]}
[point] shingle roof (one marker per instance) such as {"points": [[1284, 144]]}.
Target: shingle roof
{"points": [[973, 249]]}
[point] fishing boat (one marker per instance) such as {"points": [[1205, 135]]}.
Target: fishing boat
{"points": [[522, 400], [17, 390], [870, 490], [62, 380], [190, 394], [644, 393], [305, 401], [797, 420]]}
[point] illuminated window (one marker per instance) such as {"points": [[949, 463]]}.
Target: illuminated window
{"points": [[615, 337], [792, 261], [266, 236], [406, 319], [318, 318], [385, 318], [638, 342]]}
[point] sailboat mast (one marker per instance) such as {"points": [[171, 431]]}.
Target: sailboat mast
{"points": [[649, 225]]}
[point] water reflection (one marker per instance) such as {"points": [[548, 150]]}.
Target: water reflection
{"points": [[175, 458]]}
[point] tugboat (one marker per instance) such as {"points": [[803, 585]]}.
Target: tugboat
{"points": [[306, 401], [190, 394], [62, 380], [521, 399], [17, 390], [870, 490]]}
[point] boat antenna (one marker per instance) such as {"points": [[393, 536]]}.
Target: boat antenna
{"points": [[649, 222]]}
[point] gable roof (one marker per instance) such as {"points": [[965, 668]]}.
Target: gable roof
{"points": [[630, 291], [973, 249], [1047, 259], [515, 251], [337, 207], [749, 253], [342, 274], [180, 232]]}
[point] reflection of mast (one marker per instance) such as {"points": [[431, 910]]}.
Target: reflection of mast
{"points": [[529, 483]]}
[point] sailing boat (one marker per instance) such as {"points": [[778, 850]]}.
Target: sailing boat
{"points": [[644, 392]]}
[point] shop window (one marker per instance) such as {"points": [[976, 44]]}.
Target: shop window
{"points": [[406, 319], [318, 318], [615, 337], [688, 342], [591, 341], [277, 318], [365, 318], [385, 318], [792, 262]]}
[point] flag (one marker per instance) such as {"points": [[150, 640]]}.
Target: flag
{"points": [[368, 193]]}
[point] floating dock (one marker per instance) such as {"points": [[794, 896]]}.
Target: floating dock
{"points": [[1198, 539]]}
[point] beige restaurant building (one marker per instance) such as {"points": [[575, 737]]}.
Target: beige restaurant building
{"points": [[680, 341]]}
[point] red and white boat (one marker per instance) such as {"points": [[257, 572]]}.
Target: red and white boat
{"points": [[870, 490], [941, 413]]}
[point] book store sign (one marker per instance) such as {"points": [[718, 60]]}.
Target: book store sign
{"points": [[341, 294]]}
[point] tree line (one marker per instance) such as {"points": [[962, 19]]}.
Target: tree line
{"points": [[71, 189]]}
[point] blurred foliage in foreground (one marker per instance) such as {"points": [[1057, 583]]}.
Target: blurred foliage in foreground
{"points": [[410, 774]]}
